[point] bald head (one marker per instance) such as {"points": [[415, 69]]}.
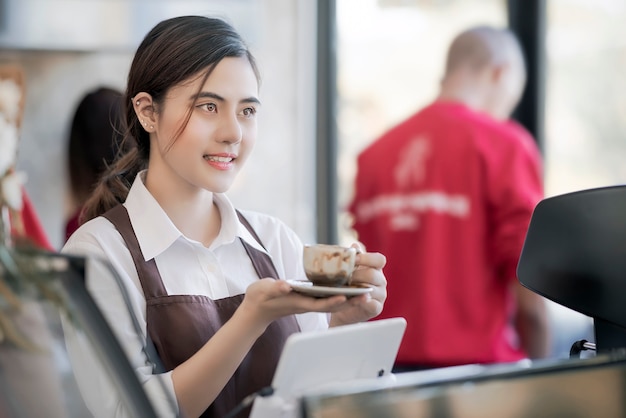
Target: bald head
{"points": [[485, 69], [482, 46]]}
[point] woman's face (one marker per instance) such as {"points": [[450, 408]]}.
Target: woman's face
{"points": [[220, 133]]}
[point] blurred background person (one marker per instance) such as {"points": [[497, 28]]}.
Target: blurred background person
{"points": [[24, 222], [95, 136], [447, 196]]}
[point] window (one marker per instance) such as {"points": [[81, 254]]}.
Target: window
{"points": [[585, 119]]}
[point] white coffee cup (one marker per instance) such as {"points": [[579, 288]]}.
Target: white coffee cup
{"points": [[329, 265]]}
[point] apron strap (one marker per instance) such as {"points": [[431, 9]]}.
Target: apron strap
{"points": [[262, 262], [148, 273], [149, 276]]}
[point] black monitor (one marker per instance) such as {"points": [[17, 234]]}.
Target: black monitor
{"points": [[575, 255]]}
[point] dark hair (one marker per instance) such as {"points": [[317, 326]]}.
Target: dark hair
{"points": [[94, 140], [172, 52]]}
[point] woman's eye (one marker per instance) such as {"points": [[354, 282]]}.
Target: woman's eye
{"points": [[209, 107], [249, 111]]}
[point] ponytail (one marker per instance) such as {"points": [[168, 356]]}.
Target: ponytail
{"points": [[114, 185], [132, 157]]}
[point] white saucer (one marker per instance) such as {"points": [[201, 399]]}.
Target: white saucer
{"points": [[307, 288]]}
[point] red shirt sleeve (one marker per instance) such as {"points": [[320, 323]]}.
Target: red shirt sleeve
{"points": [[32, 225], [517, 187]]}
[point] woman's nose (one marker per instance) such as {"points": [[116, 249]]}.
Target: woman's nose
{"points": [[229, 129]]}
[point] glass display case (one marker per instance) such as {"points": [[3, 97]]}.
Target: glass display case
{"points": [[581, 388], [42, 298]]}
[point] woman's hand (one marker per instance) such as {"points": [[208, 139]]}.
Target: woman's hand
{"points": [[369, 271], [267, 300]]}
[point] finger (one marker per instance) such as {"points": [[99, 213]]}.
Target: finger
{"points": [[271, 288], [369, 305], [373, 260], [379, 294], [329, 306], [282, 286], [360, 248], [370, 277], [359, 299], [316, 304]]}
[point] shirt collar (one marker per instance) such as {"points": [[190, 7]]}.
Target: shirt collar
{"points": [[156, 232], [232, 228]]}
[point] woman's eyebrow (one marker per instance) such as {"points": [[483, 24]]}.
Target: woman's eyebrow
{"points": [[211, 95]]}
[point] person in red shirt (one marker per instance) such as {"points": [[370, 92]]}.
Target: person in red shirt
{"points": [[447, 196], [23, 222]]}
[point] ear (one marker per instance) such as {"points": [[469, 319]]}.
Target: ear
{"points": [[144, 109], [498, 72]]}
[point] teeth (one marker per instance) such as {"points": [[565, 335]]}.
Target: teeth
{"points": [[218, 159]]}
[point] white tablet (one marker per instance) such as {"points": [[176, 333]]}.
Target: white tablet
{"points": [[317, 360], [357, 351]]}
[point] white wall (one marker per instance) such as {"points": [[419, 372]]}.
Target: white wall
{"points": [[279, 179]]}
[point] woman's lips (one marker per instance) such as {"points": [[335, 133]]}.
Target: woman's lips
{"points": [[220, 162]]}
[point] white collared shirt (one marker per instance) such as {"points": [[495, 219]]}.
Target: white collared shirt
{"points": [[186, 267]]}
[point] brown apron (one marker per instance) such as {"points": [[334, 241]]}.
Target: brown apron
{"points": [[179, 325]]}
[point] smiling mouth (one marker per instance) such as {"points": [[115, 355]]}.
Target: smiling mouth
{"points": [[218, 159]]}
